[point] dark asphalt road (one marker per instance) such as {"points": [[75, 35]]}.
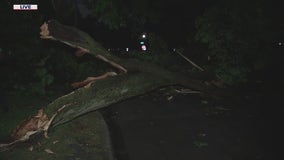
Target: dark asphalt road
{"points": [[189, 127]]}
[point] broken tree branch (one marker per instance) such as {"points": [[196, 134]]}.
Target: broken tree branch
{"points": [[190, 61], [141, 77]]}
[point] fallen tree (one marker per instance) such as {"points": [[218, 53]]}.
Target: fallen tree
{"points": [[141, 76], [133, 78]]}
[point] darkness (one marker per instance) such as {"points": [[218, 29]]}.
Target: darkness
{"points": [[179, 20], [175, 24], [239, 43]]}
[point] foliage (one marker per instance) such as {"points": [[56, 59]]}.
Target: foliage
{"points": [[107, 12], [113, 14], [38, 87], [67, 68], [58, 68], [32, 66], [44, 79], [233, 33], [200, 144]]}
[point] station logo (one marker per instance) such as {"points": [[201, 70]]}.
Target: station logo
{"points": [[26, 7]]}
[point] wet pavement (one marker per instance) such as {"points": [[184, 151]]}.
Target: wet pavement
{"points": [[184, 127]]}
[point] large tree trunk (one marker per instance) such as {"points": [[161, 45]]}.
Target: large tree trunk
{"points": [[141, 77]]}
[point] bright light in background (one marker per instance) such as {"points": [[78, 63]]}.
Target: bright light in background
{"points": [[143, 47], [126, 49], [143, 41]]}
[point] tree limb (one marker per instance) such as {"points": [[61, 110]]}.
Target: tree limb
{"points": [[190, 61], [141, 77]]}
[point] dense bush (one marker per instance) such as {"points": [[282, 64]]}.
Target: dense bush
{"points": [[234, 33]]}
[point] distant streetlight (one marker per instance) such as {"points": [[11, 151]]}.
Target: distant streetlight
{"points": [[143, 41], [143, 47]]}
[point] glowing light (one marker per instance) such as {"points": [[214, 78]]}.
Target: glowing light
{"points": [[142, 42], [143, 35], [126, 49], [143, 47]]}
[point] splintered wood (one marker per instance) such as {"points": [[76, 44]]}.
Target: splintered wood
{"points": [[31, 126]]}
